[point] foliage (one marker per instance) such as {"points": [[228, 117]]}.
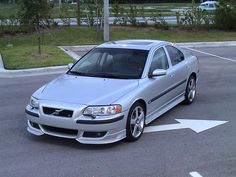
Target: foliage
{"points": [[151, 1], [128, 16], [119, 14], [142, 14], [35, 13], [159, 22], [132, 14], [93, 12], [9, 26], [195, 19], [65, 14], [225, 15]]}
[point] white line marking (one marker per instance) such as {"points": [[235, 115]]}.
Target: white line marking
{"points": [[222, 58], [195, 174]]}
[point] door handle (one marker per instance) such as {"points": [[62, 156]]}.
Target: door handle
{"points": [[172, 75]]}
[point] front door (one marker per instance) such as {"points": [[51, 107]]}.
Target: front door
{"points": [[157, 87]]}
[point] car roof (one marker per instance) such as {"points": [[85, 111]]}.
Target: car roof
{"points": [[139, 44], [210, 2]]}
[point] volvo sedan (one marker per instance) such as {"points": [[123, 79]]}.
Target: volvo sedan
{"points": [[113, 91]]}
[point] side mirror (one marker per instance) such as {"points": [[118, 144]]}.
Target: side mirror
{"points": [[157, 72], [70, 65]]}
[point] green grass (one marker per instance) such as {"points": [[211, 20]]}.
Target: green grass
{"points": [[173, 35], [19, 56], [55, 37]]}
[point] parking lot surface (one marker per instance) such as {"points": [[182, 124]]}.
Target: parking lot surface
{"points": [[170, 153]]}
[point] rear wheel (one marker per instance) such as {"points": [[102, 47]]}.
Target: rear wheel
{"points": [[190, 92], [135, 122]]}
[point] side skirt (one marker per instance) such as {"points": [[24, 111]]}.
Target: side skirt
{"points": [[166, 107]]}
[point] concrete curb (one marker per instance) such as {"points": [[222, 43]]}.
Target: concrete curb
{"points": [[71, 51], [1, 63]]}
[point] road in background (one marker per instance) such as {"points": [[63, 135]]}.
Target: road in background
{"points": [[73, 21], [177, 153]]}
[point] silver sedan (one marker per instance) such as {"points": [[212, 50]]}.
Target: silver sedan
{"points": [[113, 91]]}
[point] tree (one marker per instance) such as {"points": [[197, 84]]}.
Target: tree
{"points": [[35, 13]]}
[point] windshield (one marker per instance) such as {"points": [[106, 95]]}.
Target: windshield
{"points": [[111, 63]]}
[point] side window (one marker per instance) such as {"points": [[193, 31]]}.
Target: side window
{"points": [[159, 60], [176, 56], [211, 5]]}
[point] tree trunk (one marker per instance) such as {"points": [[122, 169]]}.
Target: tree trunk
{"points": [[78, 12], [39, 45]]}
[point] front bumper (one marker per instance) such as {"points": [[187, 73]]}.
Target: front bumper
{"points": [[86, 130]]}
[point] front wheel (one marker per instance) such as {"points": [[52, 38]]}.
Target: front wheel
{"points": [[190, 92], [135, 122]]}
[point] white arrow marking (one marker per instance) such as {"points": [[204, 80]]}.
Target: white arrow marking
{"points": [[195, 174], [195, 125]]}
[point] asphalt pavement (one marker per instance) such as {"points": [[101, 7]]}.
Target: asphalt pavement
{"points": [[174, 153]]}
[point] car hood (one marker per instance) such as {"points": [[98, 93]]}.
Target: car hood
{"points": [[86, 90]]}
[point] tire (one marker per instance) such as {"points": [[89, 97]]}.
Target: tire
{"points": [[190, 92], [135, 122]]}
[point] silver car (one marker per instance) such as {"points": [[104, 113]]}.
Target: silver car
{"points": [[113, 91]]}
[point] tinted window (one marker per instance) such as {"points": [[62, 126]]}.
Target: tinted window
{"points": [[159, 60], [176, 55], [211, 5], [112, 63]]}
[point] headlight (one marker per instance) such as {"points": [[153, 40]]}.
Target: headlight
{"points": [[34, 103], [102, 110]]}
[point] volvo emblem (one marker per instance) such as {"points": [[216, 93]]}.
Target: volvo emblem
{"points": [[57, 112]]}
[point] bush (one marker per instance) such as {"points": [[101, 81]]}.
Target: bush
{"points": [[132, 14], [120, 17], [11, 25], [195, 19], [65, 14], [159, 22], [225, 16], [93, 13]]}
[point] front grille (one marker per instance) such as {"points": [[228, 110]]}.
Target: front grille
{"points": [[57, 112], [60, 130]]}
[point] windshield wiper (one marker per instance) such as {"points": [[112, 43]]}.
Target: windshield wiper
{"points": [[102, 75], [109, 75], [82, 74], [75, 73]]}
